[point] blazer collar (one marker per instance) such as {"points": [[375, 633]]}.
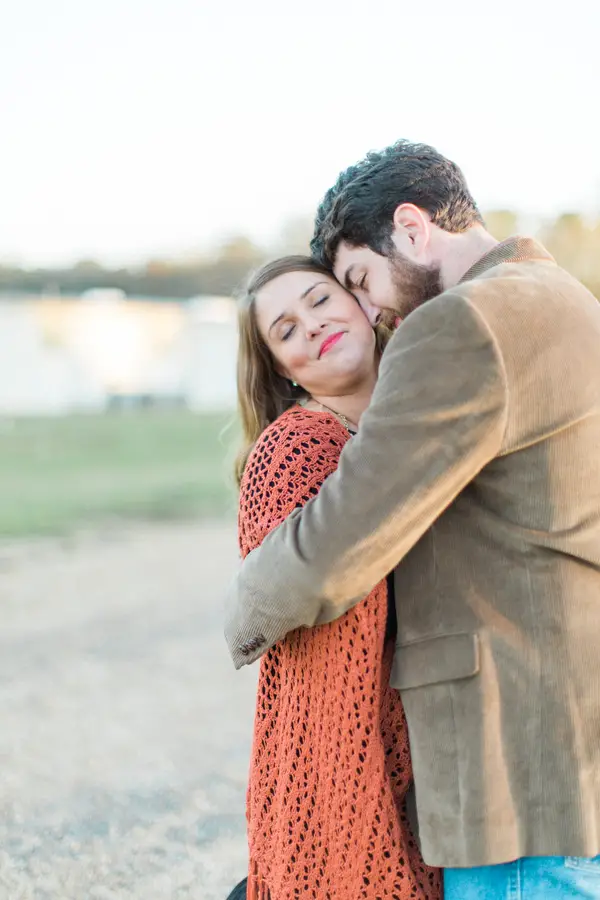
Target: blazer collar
{"points": [[515, 249]]}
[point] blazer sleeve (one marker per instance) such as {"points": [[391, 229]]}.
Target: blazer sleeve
{"points": [[437, 416]]}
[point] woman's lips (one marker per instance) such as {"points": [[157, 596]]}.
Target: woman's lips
{"points": [[329, 342]]}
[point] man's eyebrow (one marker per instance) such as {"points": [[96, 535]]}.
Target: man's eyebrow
{"points": [[348, 283]]}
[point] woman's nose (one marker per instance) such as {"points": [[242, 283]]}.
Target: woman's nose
{"points": [[313, 326]]}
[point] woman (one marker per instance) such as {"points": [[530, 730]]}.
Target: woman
{"points": [[330, 760]]}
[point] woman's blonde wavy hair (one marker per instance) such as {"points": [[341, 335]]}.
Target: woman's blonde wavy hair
{"points": [[263, 393]]}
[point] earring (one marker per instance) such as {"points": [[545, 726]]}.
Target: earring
{"points": [[294, 384]]}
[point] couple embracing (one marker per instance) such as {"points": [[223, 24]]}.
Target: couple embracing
{"points": [[420, 525]]}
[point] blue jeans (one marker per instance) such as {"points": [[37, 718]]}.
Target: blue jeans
{"points": [[531, 878]]}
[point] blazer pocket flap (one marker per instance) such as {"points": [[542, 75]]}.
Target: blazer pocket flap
{"points": [[448, 657]]}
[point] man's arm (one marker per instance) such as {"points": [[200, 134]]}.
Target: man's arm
{"points": [[437, 417]]}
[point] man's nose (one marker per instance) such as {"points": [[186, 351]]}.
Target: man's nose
{"points": [[372, 312]]}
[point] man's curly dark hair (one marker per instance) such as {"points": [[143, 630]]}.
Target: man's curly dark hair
{"points": [[359, 208]]}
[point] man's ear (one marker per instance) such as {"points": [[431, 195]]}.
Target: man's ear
{"points": [[412, 230]]}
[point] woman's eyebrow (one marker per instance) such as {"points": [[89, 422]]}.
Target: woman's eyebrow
{"points": [[302, 296], [275, 321], [311, 288]]}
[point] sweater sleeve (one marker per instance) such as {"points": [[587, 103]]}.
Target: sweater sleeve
{"points": [[288, 465]]}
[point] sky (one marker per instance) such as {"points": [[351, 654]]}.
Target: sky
{"points": [[152, 128]]}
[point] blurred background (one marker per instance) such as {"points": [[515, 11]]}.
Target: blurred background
{"points": [[152, 155]]}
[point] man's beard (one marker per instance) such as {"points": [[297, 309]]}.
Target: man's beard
{"points": [[414, 284]]}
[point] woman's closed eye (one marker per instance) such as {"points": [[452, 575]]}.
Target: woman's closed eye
{"points": [[289, 329]]}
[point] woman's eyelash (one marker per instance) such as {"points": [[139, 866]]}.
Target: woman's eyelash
{"points": [[290, 330]]}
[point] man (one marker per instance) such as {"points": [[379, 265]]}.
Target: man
{"points": [[476, 473]]}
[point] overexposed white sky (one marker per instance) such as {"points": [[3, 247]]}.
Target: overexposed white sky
{"points": [[132, 128]]}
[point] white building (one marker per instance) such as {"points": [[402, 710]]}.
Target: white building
{"points": [[63, 355], [37, 375], [210, 341]]}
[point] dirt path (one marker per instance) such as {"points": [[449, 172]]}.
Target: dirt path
{"points": [[125, 731]]}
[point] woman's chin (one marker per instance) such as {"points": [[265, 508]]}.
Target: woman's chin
{"points": [[350, 365]]}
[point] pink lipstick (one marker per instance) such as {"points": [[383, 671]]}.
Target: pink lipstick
{"points": [[329, 342]]}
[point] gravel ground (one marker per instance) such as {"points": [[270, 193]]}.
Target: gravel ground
{"points": [[125, 730]]}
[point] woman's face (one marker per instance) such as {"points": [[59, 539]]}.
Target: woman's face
{"points": [[316, 331]]}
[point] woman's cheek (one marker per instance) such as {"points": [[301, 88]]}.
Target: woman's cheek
{"points": [[297, 361]]}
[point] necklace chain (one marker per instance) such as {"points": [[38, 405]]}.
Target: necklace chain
{"points": [[339, 416]]}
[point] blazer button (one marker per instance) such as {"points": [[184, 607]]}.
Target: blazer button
{"points": [[245, 649], [260, 640]]}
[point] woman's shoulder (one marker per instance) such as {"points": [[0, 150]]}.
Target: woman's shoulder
{"points": [[299, 432], [301, 444], [287, 466]]}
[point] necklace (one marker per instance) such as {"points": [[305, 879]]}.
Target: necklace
{"points": [[347, 425]]}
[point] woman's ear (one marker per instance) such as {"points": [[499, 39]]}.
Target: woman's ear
{"points": [[281, 370]]}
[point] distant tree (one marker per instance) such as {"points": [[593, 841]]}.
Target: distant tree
{"points": [[158, 268], [89, 266], [573, 241], [231, 266], [575, 244], [501, 223], [239, 249], [566, 238]]}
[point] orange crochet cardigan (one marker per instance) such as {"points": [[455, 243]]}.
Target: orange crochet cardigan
{"points": [[330, 762]]}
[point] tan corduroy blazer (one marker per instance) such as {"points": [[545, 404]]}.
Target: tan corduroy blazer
{"points": [[476, 473]]}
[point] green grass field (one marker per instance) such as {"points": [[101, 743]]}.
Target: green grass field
{"points": [[60, 474]]}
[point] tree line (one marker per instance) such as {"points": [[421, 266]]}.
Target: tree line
{"points": [[573, 240]]}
